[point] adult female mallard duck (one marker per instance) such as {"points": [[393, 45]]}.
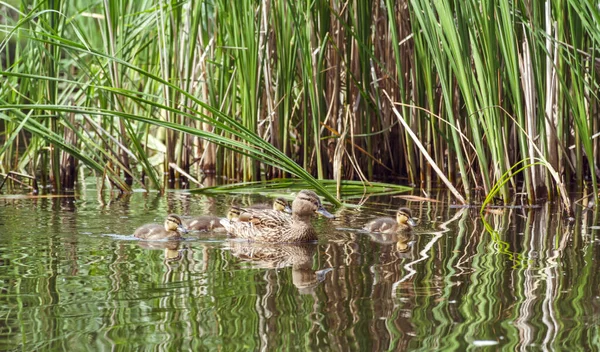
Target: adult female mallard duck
{"points": [[276, 226], [403, 223], [172, 229]]}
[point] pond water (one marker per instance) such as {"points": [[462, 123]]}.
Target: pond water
{"points": [[73, 278]]}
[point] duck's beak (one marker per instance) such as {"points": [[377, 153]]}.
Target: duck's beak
{"points": [[325, 213], [181, 229], [412, 222], [287, 209]]}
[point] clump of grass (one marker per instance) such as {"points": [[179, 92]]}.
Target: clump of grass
{"points": [[147, 93], [284, 187]]}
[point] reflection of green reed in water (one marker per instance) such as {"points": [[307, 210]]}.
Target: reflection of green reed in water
{"points": [[453, 288], [541, 300]]}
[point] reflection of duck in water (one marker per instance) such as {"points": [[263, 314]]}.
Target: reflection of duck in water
{"points": [[172, 229], [275, 226], [402, 224], [280, 255]]}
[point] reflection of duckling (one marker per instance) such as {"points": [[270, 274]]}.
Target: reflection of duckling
{"points": [[402, 223], [172, 229], [400, 239], [276, 226], [280, 255], [171, 248], [209, 222]]}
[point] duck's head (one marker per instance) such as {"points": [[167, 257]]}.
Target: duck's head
{"points": [[174, 223], [307, 203], [404, 216], [281, 204]]}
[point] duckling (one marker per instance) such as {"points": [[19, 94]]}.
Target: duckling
{"points": [[403, 223], [279, 204], [172, 229], [276, 226], [234, 213], [203, 223], [211, 223]]}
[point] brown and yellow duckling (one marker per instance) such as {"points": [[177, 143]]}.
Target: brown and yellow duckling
{"points": [[276, 226], [403, 223], [209, 222], [172, 229], [279, 204], [203, 223]]}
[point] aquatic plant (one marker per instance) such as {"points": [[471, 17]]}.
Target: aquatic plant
{"points": [[155, 94]]}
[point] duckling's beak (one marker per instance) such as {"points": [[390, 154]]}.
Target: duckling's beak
{"points": [[181, 229], [287, 209], [325, 213], [412, 222]]}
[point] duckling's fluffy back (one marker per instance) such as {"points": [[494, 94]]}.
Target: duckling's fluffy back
{"points": [[382, 225], [203, 223], [154, 232]]}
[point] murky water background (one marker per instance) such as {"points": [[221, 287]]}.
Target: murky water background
{"points": [[72, 278]]}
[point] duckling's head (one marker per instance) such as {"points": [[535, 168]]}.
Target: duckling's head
{"points": [[174, 223], [281, 204], [404, 216], [234, 212], [307, 203]]}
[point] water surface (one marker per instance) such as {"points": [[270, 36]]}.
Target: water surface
{"points": [[73, 278]]}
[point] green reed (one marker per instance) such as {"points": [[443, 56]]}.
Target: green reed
{"points": [[147, 93]]}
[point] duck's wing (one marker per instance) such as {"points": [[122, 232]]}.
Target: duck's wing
{"points": [[266, 218]]}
